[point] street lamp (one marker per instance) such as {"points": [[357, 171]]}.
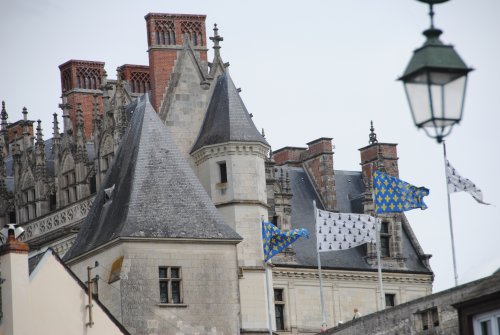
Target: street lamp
{"points": [[435, 82]]}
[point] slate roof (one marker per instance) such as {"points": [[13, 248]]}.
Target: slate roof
{"points": [[349, 188], [156, 194], [227, 118]]}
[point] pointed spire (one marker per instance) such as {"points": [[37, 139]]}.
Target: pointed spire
{"points": [[39, 135], [55, 127], [39, 153], [56, 141], [27, 141], [373, 136], [4, 117], [65, 106], [81, 152], [96, 120], [216, 39]]}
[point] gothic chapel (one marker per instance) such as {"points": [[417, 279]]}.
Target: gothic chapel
{"points": [[162, 177]]}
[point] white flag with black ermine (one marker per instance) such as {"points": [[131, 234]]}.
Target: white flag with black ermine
{"points": [[457, 183], [342, 231]]}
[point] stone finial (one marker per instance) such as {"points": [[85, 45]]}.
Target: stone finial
{"points": [[4, 115], [55, 127], [373, 136], [216, 39], [39, 135]]}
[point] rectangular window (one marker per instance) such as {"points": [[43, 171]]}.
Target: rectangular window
{"points": [[390, 300], [279, 309], [223, 172], [429, 318], [12, 217], [170, 285]]}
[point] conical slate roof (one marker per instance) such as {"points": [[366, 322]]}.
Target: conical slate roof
{"points": [[156, 194], [227, 118]]}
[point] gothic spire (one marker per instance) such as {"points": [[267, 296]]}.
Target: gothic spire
{"points": [[56, 142], [39, 152], [26, 130], [55, 128], [81, 154], [216, 39], [4, 117], [96, 120], [65, 106], [373, 136], [39, 135]]}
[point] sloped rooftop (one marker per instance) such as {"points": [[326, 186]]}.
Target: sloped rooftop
{"points": [[156, 194], [227, 118], [349, 194]]}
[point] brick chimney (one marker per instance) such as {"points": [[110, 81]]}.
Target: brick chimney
{"points": [[317, 160], [166, 33], [80, 80], [377, 156], [15, 287], [137, 78]]}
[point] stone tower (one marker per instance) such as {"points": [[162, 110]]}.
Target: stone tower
{"points": [[230, 156]]}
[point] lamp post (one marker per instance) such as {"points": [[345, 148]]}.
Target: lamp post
{"points": [[435, 81]]}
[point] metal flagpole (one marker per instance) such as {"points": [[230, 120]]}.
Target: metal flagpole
{"points": [[323, 316], [267, 270], [379, 267], [379, 263], [451, 221], [269, 314]]}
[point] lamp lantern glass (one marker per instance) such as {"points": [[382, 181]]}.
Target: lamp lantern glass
{"points": [[435, 82]]}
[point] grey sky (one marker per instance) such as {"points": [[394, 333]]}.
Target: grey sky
{"points": [[307, 69]]}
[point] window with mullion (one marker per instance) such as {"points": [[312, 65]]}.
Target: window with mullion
{"points": [[385, 239], [279, 309], [170, 285]]}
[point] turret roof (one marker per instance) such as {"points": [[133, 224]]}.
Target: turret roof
{"points": [[227, 118]]}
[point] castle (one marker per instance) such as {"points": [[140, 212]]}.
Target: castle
{"points": [[162, 177]]}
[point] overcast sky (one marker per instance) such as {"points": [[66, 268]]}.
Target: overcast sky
{"points": [[307, 69]]}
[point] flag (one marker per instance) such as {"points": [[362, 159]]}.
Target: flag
{"points": [[394, 195], [275, 241], [457, 183], [342, 231]]}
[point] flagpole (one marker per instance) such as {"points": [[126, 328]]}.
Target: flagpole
{"points": [[379, 266], [323, 316], [266, 269], [269, 314], [450, 219], [379, 263]]}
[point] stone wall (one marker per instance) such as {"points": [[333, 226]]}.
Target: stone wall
{"points": [[407, 318], [210, 297], [342, 292]]}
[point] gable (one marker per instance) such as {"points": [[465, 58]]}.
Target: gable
{"points": [[55, 291]]}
